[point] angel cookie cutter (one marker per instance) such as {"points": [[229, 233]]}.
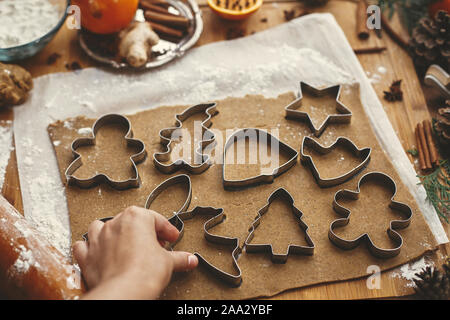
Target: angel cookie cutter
{"points": [[89, 141], [266, 247], [342, 115], [262, 178], [393, 225], [166, 137], [218, 217], [362, 154]]}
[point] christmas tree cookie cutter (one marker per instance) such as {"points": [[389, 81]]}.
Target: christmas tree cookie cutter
{"points": [[262, 178], [393, 225], [218, 217], [343, 114], [166, 136], [181, 179], [90, 141], [362, 154], [266, 247]]}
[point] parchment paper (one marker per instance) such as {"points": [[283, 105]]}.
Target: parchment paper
{"points": [[269, 63]]}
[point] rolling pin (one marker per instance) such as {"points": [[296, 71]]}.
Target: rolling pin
{"points": [[30, 267]]}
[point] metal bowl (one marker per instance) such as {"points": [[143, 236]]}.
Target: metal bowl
{"points": [[31, 48], [165, 51]]}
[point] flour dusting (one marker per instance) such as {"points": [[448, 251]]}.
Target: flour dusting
{"points": [[409, 271]]}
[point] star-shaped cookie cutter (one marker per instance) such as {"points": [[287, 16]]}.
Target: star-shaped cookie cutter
{"points": [[218, 217], [89, 141], [362, 154], [393, 225], [292, 249], [343, 114], [262, 178], [166, 137]]}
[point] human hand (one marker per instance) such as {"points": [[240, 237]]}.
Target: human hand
{"points": [[125, 258]]}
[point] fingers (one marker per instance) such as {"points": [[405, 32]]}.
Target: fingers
{"points": [[80, 252], [164, 229], [183, 261], [94, 230]]}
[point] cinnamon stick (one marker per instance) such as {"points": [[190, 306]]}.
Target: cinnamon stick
{"points": [[166, 19], [432, 148], [161, 3], [423, 142], [361, 20], [422, 163], [155, 8], [369, 50], [164, 30]]}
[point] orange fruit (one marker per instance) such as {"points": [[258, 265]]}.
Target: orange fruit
{"points": [[106, 16]]}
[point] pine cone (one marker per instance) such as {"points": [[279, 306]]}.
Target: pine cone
{"points": [[442, 125], [315, 3], [433, 284], [430, 42]]}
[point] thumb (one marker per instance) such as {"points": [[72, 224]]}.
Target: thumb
{"points": [[183, 261]]}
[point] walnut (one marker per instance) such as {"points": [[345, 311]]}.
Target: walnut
{"points": [[15, 82]]}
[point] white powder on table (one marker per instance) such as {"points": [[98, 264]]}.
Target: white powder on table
{"points": [[23, 21], [408, 271]]}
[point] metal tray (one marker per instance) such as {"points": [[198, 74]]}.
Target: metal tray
{"points": [[166, 50]]}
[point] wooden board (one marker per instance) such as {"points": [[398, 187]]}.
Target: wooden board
{"points": [[403, 115]]}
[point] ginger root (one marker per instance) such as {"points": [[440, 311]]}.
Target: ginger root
{"points": [[136, 42], [15, 82]]}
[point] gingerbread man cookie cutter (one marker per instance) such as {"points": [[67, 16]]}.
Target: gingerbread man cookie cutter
{"points": [[166, 137], [266, 247], [89, 141], [261, 178], [343, 114], [218, 217], [362, 154], [393, 225]]}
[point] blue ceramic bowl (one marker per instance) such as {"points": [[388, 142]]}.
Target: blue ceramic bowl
{"points": [[31, 48]]}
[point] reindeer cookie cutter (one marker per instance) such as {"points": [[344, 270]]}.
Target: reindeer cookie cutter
{"points": [[166, 137], [393, 225], [261, 178], [266, 247], [362, 154], [89, 141], [342, 115]]}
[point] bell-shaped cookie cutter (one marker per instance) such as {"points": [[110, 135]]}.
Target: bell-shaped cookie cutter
{"points": [[394, 224], [343, 115], [182, 179], [262, 178], [218, 217], [292, 249], [89, 141], [166, 136], [362, 154]]}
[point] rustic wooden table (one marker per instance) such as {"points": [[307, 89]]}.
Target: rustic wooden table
{"points": [[394, 61]]}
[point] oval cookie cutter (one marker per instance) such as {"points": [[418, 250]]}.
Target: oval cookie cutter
{"points": [[166, 137], [393, 225], [362, 154], [262, 178], [182, 179], [90, 141], [266, 247], [344, 115], [218, 217]]}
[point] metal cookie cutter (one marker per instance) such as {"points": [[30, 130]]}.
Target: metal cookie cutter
{"points": [[89, 141], [217, 217], [362, 154], [343, 114], [394, 225], [181, 179], [292, 249], [262, 178], [166, 136], [85, 235]]}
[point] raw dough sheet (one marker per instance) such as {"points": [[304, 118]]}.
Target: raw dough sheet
{"points": [[260, 276]]}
